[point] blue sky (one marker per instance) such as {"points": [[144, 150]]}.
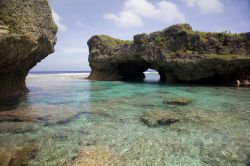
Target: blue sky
{"points": [[78, 20]]}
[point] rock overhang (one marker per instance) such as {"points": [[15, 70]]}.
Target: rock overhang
{"points": [[27, 35]]}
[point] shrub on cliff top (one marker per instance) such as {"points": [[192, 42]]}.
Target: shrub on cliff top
{"points": [[109, 41]]}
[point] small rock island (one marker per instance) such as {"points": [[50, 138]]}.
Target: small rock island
{"points": [[27, 35], [178, 53]]}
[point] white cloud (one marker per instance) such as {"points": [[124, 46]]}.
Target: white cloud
{"points": [[134, 11], [169, 12], [125, 19], [206, 6], [141, 7], [58, 22]]}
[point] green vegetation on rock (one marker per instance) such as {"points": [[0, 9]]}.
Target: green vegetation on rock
{"points": [[227, 56], [181, 38], [54, 27], [109, 41], [4, 16], [47, 3], [5, 19]]}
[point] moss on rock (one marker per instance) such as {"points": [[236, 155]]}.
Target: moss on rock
{"points": [[109, 41], [227, 56]]}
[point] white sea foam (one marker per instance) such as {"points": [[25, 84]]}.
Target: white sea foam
{"points": [[61, 75], [149, 72]]}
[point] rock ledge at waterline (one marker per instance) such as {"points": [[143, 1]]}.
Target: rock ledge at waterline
{"points": [[178, 53]]}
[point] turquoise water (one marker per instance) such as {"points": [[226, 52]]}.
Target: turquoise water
{"points": [[65, 113]]}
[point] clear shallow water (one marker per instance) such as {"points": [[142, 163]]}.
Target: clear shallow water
{"points": [[65, 113]]}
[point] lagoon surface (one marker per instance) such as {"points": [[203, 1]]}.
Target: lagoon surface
{"points": [[66, 119]]}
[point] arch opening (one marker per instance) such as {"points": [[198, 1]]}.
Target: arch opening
{"points": [[132, 71], [140, 71], [152, 76]]}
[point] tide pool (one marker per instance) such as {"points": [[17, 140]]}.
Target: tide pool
{"points": [[65, 114]]}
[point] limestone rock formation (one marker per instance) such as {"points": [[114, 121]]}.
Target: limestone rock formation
{"points": [[27, 35], [178, 53]]}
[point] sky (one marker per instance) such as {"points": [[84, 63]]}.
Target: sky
{"points": [[78, 20]]}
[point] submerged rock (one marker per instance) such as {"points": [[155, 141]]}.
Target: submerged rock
{"points": [[223, 154], [178, 53], [47, 114], [199, 117], [22, 155], [5, 156], [181, 101], [157, 118], [17, 127], [17, 156], [97, 155], [27, 35]]}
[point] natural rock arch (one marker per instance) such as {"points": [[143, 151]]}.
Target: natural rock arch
{"points": [[178, 53], [27, 35]]}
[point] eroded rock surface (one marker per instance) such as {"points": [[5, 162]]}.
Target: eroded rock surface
{"points": [[178, 53], [27, 35]]}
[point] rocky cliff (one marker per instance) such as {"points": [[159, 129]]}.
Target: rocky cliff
{"points": [[178, 53], [27, 35]]}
